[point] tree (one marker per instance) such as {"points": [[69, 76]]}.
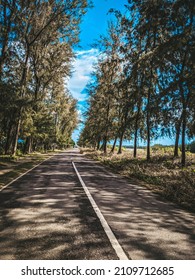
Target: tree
{"points": [[154, 94], [37, 40]]}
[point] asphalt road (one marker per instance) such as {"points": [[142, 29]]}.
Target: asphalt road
{"points": [[145, 226], [46, 215]]}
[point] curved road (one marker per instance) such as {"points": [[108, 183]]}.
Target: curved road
{"points": [[46, 215]]}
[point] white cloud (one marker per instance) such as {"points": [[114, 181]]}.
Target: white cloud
{"points": [[82, 68]]}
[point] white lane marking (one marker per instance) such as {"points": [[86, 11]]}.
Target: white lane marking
{"points": [[24, 174], [114, 242]]}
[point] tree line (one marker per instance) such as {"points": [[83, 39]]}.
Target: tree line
{"points": [[143, 84], [36, 51]]}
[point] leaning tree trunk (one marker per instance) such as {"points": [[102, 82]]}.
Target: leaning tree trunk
{"points": [[16, 135], [114, 145]]}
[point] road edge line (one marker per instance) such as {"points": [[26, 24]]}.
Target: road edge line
{"points": [[4, 187], [114, 242]]}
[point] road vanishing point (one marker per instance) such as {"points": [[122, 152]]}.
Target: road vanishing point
{"points": [[70, 207]]}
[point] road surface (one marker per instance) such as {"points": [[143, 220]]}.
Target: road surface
{"points": [[46, 215]]}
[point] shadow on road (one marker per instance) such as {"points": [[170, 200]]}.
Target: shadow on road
{"points": [[46, 215], [147, 227]]}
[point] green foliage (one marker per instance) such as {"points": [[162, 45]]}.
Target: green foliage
{"points": [[161, 149], [36, 52], [143, 83]]}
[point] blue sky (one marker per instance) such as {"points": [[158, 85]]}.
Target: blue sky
{"points": [[95, 21], [94, 24]]}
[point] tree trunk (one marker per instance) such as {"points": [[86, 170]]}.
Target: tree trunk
{"points": [[135, 143], [120, 143], [136, 130], [28, 145], [105, 145], [22, 94], [178, 129], [106, 132], [8, 140], [184, 115], [5, 38], [34, 146], [148, 125], [148, 136], [183, 150], [148, 147], [98, 144], [114, 145], [15, 138]]}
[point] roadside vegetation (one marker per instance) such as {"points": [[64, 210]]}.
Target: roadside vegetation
{"points": [[163, 174], [12, 167]]}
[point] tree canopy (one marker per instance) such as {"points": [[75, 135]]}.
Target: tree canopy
{"points": [[36, 52], [143, 84]]}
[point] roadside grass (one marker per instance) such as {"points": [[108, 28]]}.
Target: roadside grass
{"points": [[163, 174], [13, 167]]}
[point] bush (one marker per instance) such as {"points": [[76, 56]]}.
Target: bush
{"points": [[19, 152], [158, 148]]}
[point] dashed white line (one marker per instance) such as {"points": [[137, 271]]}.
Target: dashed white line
{"points": [[114, 242]]}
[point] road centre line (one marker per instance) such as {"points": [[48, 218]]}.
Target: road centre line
{"points": [[25, 173], [114, 242]]}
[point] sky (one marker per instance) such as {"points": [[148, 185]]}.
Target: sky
{"points": [[93, 25]]}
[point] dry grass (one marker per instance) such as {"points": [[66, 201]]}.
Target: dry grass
{"points": [[163, 174]]}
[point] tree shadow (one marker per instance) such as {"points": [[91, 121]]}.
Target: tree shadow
{"points": [[147, 227], [46, 215]]}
